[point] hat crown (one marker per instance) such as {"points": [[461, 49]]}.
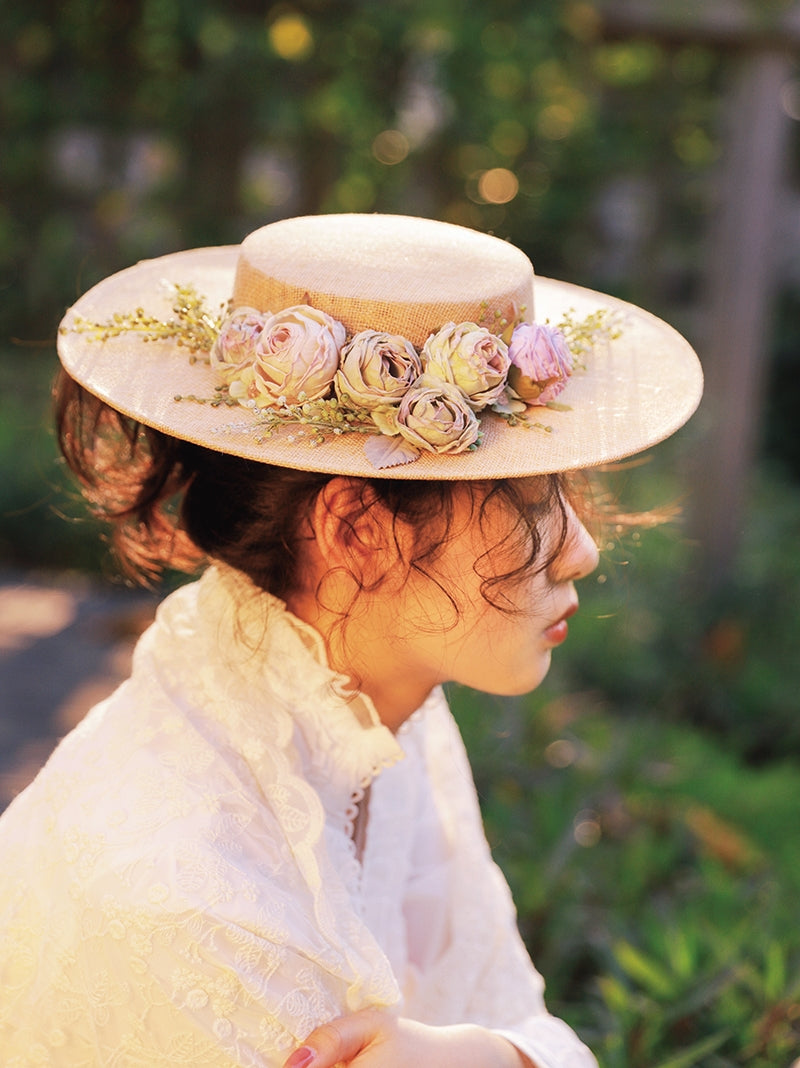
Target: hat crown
{"points": [[385, 272]]}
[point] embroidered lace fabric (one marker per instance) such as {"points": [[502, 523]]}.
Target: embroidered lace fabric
{"points": [[181, 885]]}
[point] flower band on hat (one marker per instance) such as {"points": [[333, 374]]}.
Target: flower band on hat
{"points": [[297, 366], [390, 345]]}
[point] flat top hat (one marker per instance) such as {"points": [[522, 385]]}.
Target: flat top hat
{"points": [[380, 345]]}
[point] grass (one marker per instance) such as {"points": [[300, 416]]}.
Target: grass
{"points": [[656, 878]]}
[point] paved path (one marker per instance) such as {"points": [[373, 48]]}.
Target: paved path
{"points": [[65, 643]]}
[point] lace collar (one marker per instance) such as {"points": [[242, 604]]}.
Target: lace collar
{"points": [[269, 663]]}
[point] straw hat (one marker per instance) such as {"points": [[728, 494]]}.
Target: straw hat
{"points": [[431, 401]]}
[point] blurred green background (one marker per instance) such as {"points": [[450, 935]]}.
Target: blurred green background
{"points": [[645, 802]]}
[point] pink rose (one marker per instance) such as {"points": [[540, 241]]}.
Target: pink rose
{"points": [[233, 353], [296, 356], [234, 350], [541, 362], [436, 416], [470, 357]]}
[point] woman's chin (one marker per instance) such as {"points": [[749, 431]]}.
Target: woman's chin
{"points": [[520, 682]]}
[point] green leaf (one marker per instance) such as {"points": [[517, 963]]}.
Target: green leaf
{"points": [[690, 1057], [681, 955], [616, 996], [775, 971], [644, 971]]}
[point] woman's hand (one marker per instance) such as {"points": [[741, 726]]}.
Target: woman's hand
{"points": [[375, 1038]]}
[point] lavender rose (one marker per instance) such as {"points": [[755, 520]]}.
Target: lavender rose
{"points": [[435, 416], [541, 362], [296, 356], [376, 369], [470, 357], [234, 350]]}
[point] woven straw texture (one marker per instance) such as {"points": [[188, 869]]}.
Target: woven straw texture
{"points": [[404, 276]]}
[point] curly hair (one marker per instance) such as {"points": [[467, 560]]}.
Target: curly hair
{"points": [[171, 504]]}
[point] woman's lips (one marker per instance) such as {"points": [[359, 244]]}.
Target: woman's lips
{"points": [[557, 632]]}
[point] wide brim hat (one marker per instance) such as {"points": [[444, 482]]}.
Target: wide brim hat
{"points": [[630, 389]]}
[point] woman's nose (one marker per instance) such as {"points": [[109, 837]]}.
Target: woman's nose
{"points": [[579, 555]]}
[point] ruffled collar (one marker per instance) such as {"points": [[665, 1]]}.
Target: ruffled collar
{"points": [[273, 663]]}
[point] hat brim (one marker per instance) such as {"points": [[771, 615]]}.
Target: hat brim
{"points": [[635, 390]]}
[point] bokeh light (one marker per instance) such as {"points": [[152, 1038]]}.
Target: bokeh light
{"points": [[390, 147], [290, 37], [355, 192], [470, 158], [555, 122], [216, 36], [508, 138], [504, 81], [498, 185], [560, 753], [628, 63], [586, 829], [267, 180], [694, 147]]}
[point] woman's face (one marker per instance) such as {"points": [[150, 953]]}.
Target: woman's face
{"points": [[496, 651], [412, 631]]}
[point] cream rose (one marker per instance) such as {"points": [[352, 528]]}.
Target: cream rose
{"points": [[376, 369], [435, 416], [541, 362], [470, 357], [296, 356]]}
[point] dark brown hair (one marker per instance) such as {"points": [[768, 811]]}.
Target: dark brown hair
{"points": [[173, 504]]}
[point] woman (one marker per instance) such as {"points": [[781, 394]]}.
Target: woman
{"points": [[265, 847]]}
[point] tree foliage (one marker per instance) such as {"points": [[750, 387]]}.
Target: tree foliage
{"points": [[135, 128]]}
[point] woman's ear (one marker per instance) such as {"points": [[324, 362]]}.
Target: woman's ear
{"points": [[354, 530]]}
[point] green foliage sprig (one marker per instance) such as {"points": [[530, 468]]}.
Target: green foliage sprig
{"points": [[314, 418], [581, 335], [193, 327]]}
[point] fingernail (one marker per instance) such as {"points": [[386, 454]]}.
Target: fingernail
{"points": [[301, 1058]]}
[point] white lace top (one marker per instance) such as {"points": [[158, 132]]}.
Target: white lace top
{"points": [[180, 884]]}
